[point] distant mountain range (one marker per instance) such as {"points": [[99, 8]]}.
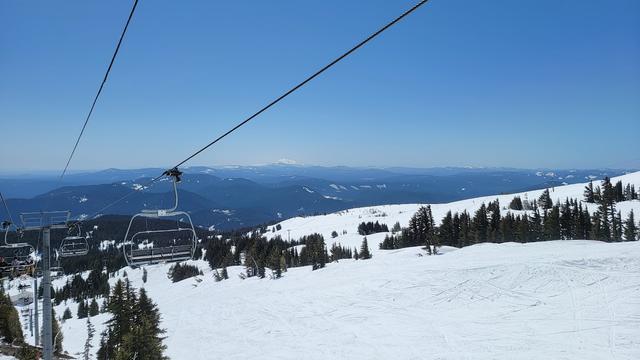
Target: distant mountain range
{"points": [[238, 196]]}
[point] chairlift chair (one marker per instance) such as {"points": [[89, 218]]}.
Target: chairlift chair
{"points": [[74, 245], [56, 271], [16, 258], [137, 248]]}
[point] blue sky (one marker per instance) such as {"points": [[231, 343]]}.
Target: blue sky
{"points": [[487, 83]]}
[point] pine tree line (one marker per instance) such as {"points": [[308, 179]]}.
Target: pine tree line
{"points": [[617, 192], [257, 254], [367, 228], [545, 221], [79, 289], [338, 252], [85, 309]]}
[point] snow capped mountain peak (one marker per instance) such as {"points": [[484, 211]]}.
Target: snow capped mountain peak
{"points": [[285, 161]]}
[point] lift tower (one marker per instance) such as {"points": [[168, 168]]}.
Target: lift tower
{"points": [[45, 221]]}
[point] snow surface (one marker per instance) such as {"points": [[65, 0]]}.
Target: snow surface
{"points": [[571, 299], [550, 300]]}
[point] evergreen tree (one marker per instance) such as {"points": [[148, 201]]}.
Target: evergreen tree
{"points": [[480, 225], [10, 329], [66, 315], [364, 250], [619, 192], [508, 228], [134, 330], [119, 306], [274, 262], [94, 309], [589, 195], [356, 256], [606, 212], [86, 354], [314, 252], [630, 228], [144, 342], [608, 192], [524, 229], [83, 310], [446, 231], [545, 201], [465, 230], [597, 194], [516, 204], [493, 213], [535, 224], [388, 243], [566, 221], [617, 227], [596, 227], [551, 224], [58, 337], [422, 229]]}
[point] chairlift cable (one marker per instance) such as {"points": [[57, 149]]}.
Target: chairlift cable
{"points": [[272, 103], [304, 82], [6, 207], [104, 80]]}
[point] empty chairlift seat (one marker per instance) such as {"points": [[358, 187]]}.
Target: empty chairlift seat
{"points": [[165, 244]]}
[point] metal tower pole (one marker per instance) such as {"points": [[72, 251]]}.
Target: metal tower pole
{"points": [[36, 322], [47, 346], [45, 221]]}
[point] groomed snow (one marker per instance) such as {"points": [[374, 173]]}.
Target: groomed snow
{"points": [[550, 300]]}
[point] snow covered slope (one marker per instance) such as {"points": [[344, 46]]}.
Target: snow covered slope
{"points": [[549, 300], [388, 214]]}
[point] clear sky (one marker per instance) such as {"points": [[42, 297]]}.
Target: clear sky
{"points": [[528, 83]]}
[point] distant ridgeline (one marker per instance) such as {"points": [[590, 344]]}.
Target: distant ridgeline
{"points": [[540, 220]]}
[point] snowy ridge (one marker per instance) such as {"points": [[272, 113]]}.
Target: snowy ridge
{"points": [[390, 214]]}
